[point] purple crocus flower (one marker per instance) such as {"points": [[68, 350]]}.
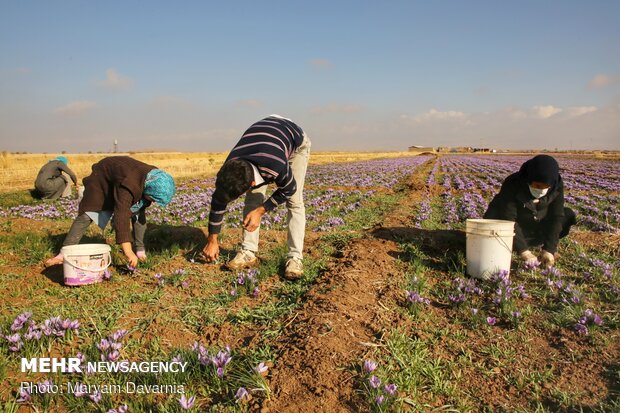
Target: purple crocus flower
{"points": [[122, 409], [491, 321], [20, 320], [380, 399], [581, 329], [596, 319], [375, 382], [186, 403], [390, 389], [96, 396], [24, 396], [78, 392], [242, 394], [103, 345], [261, 368], [369, 366], [118, 335]]}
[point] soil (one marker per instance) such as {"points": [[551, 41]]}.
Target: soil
{"points": [[351, 305]]}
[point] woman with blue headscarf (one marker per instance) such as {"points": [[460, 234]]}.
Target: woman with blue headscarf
{"points": [[534, 199], [122, 187], [51, 182]]}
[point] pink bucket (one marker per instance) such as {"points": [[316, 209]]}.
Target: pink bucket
{"points": [[85, 263]]}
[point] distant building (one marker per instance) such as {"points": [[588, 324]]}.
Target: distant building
{"points": [[417, 148]]}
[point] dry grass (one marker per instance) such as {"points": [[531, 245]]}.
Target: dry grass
{"points": [[19, 171]]}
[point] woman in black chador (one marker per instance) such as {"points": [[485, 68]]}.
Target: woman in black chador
{"points": [[534, 199]]}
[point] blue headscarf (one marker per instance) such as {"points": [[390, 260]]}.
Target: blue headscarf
{"points": [[62, 159], [159, 186]]}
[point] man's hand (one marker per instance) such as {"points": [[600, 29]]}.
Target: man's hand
{"points": [[212, 250], [252, 219], [547, 259]]}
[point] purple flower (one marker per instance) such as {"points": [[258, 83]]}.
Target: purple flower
{"points": [[107, 274], [131, 268], [186, 403], [118, 335], [261, 368], [185, 284], [24, 396], [531, 265], [20, 320], [369, 366], [78, 390], [242, 394], [256, 292], [491, 321], [122, 409], [96, 396], [233, 292], [414, 297], [390, 389], [516, 314], [380, 399], [375, 382], [581, 329], [103, 345]]}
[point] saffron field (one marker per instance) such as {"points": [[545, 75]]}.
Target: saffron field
{"points": [[383, 320]]}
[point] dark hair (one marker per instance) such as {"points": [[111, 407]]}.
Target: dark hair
{"points": [[234, 178]]}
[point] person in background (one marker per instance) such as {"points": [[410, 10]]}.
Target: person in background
{"points": [[51, 183], [123, 187], [272, 150], [534, 199]]}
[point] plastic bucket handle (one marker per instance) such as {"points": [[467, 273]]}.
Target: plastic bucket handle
{"points": [[498, 235]]}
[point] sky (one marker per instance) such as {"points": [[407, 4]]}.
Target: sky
{"points": [[355, 75]]}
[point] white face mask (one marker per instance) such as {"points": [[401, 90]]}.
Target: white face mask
{"points": [[538, 193]]}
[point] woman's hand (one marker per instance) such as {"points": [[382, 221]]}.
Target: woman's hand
{"points": [[132, 259], [547, 259]]}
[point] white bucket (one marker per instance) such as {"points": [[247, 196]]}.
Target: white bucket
{"points": [[489, 246], [85, 263]]}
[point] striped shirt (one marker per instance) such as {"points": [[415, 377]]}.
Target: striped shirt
{"points": [[268, 144]]}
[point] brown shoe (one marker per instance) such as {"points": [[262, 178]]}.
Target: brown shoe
{"points": [[294, 269]]}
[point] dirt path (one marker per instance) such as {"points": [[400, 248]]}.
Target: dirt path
{"points": [[347, 310]]}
